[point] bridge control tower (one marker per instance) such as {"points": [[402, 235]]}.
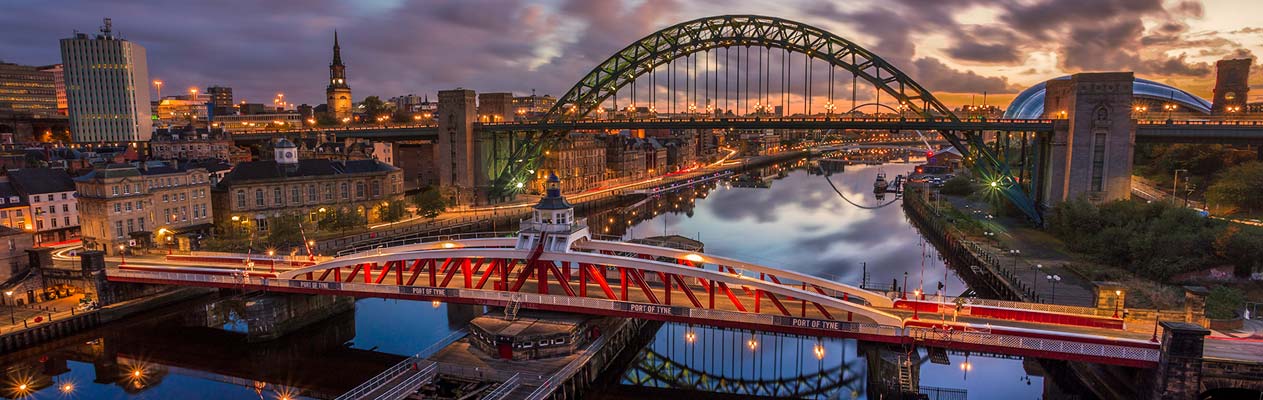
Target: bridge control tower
{"points": [[553, 221]]}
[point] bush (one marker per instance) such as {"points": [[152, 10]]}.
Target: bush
{"points": [[1224, 302], [1154, 240], [958, 186], [1239, 187]]}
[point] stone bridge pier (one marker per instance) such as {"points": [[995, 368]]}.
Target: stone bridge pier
{"points": [[1185, 373]]}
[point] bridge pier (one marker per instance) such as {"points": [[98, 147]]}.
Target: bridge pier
{"points": [[1179, 372], [1091, 152]]}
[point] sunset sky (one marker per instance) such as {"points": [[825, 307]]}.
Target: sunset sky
{"points": [[394, 47]]}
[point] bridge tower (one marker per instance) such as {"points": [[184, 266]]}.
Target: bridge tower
{"points": [[554, 221], [1232, 85], [1091, 153], [456, 154]]}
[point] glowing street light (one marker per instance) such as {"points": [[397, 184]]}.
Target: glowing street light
{"points": [[819, 350], [689, 336]]}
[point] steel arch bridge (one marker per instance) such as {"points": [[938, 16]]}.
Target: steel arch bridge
{"points": [[745, 31], [653, 369]]}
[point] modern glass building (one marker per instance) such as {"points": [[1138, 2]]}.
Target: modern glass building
{"points": [[27, 90], [1030, 103], [107, 88]]}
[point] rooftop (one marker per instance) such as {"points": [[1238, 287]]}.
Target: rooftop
{"points": [[30, 181], [269, 169]]}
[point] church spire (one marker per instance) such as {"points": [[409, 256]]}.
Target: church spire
{"points": [[337, 50]]}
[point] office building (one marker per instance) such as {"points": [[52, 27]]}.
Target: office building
{"points": [[107, 88]]}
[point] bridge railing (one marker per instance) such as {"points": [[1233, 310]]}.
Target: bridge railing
{"points": [[822, 118], [1038, 344], [402, 367], [505, 387], [424, 239]]}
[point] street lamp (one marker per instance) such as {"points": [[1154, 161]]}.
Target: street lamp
{"points": [[1054, 278], [1117, 294], [1035, 287], [122, 257], [1175, 184]]}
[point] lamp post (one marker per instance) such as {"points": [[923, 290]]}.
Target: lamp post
{"points": [[122, 256], [1035, 286], [1054, 278], [1015, 253], [272, 258], [1175, 183], [903, 290], [1117, 294]]}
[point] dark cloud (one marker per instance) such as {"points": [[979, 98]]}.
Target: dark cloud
{"points": [[985, 53], [936, 76]]}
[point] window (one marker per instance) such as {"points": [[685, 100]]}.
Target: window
{"points": [[63, 196], [53, 221], [204, 213], [118, 207], [140, 204], [141, 221], [114, 189], [1098, 162], [359, 190], [311, 193], [262, 224], [39, 224], [295, 195], [166, 198], [52, 209], [276, 196], [128, 206], [196, 212], [67, 219], [258, 197], [344, 189], [184, 213], [65, 207], [241, 199], [376, 187], [328, 192], [50, 197], [184, 196], [131, 227], [118, 229]]}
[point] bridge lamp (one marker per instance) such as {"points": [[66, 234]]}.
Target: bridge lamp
{"points": [[137, 374], [435, 303], [819, 350], [449, 245], [752, 344], [67, 387], [519, 185], [23, 388], [694, 257], [690, 337]]}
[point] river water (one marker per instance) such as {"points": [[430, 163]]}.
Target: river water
{"points": [[782, 216]]}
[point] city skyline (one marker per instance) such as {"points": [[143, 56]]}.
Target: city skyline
{"points": [[956, 49]]}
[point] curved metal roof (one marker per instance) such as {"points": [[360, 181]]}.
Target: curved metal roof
{"points": [[1030, 103]]}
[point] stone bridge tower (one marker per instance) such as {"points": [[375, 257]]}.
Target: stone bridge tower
{"points": [[1091, 150]]}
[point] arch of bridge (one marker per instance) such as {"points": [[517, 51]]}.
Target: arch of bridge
{"points": [[460, 249], [792, 387], [703, 34]]}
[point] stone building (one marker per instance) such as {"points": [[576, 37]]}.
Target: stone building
{"points": [[151, 204], [50, 194], [188, 144], [578, 159], [254, 192], [624, 157], [13, 256]]}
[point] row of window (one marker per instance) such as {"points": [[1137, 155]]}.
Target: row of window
{"points": [[131, 226], [39, 223], [35, 198], [181, 214], [296, 194], [52, 209]]}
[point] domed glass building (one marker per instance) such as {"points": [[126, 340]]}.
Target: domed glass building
{"points": [[1030, 103]]}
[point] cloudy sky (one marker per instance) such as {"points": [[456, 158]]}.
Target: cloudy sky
{"points": [[956, 48]]}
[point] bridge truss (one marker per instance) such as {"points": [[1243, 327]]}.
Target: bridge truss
{"points": [[699, 41]]}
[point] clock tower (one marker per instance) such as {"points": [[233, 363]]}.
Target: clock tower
{"points": [[338, 94]]}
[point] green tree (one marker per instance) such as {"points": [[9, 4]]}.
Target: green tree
{"points": [[1239, 187], [284, 230], [391, 211], [375, 107], [1223, 302], [958, 186], [429, 203]]}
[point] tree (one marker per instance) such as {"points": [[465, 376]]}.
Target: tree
{"points": [[1223, 302], [391, 211], [284, 230], [1238, 187], [429, 203], [326, 119], [958, 186], [374, 107]]}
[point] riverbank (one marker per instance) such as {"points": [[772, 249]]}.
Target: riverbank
{"points": [[56, 325]]}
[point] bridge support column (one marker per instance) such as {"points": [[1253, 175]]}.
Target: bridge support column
{"points": [[456, 154], [1179, 372], [1091, 153]]}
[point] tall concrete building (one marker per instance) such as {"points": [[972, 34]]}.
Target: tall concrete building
{"points": [[338, 94], [221, 100], [59, 80], [107, 88], [456, 153], [27, 90], [1232, 85], [1091, 152]]}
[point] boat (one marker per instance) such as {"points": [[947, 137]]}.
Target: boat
{"points": [[880, 185]]}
